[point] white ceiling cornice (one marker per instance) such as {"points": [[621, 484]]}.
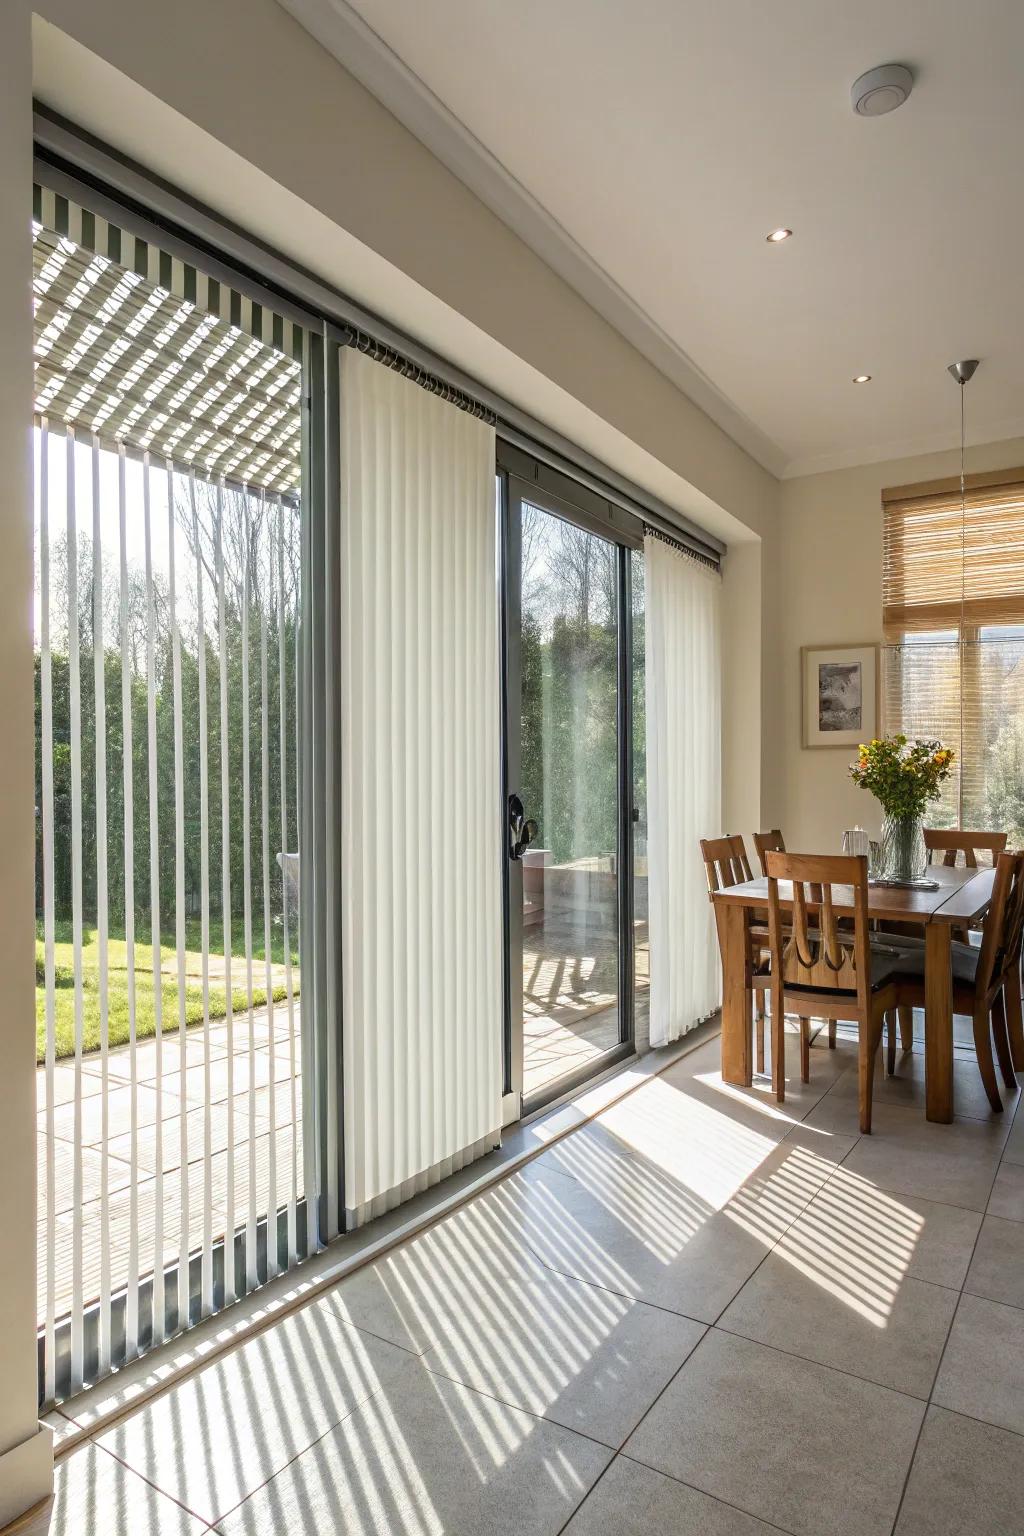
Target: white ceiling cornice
{"points": [[344, 33], [909, 448]]}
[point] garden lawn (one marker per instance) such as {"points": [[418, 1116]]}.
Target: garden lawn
{"points": [[145, 989]]}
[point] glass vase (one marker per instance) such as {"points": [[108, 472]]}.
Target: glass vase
{"points": [[902, 854]]}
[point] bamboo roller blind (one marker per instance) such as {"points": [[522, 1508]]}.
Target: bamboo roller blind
{"points": [[953, 616], [939, 566]]}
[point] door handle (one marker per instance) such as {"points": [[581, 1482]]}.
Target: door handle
{"points": [[522, 831]]}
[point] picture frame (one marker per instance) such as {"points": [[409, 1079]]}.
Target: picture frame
{"points": [[840, 694]]}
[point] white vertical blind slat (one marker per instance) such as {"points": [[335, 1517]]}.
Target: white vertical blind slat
{"points": [[179, 908], [75, 698], [266, 591], [251, 1276], [230, 1288], [49, 973], [283, 780], [131, 1324], [206, 1272], [102, 905], [154, 908]]}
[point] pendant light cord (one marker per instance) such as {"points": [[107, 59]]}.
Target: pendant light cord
{"points": [[963, 600]]}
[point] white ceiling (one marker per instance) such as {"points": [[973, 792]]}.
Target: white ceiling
{"points": [[646, 147]]}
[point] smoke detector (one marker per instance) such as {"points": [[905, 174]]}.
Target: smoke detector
{"points": [[881, 90]]}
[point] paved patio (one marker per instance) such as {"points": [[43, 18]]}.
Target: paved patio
{"points": [[571, 1019], [276, 1099]]}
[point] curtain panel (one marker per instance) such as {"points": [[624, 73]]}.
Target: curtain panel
{"points": [[683, 783], [420, 866]]}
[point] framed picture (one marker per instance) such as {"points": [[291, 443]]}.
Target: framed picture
{"points": [[840, 687]]}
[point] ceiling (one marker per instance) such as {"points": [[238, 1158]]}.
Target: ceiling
{"points": [[646, 147]]}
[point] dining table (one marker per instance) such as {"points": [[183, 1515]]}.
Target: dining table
{"points": [[955, 899]]}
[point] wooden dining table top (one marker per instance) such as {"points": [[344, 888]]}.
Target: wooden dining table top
{"points": [[963, 896]]}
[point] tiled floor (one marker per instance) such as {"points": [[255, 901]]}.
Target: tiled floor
{"points": [[702, 1314]]}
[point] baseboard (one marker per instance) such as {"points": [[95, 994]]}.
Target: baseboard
{"points": [[26, 1474]]}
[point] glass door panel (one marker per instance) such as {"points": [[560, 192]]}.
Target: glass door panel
{"points": [[565, 718]]}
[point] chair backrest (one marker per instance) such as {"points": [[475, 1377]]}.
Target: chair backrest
{"points": [[768, 842], [825, 956], [1004, 926], [725, 862], [951, 842]]}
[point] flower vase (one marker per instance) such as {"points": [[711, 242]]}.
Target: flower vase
{"points": [[902, 856]]}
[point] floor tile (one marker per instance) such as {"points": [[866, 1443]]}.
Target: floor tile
{"points": [[966, 1477], [813, 1299], [428, 1456], [91, 1083], [119, 1113], [627, 1224], [983, 1366], [1013, 1152], [92, 1163], [578, 1355], [631, 1500], [906, 1154], [997, 1269], [868, 1240], [783, 1438], [227, 1429], [1007, 1199], [907, 1087], [94, 1495]]}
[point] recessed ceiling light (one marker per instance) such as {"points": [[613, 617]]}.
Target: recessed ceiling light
{"points": [[778, 235], [862, 378]]}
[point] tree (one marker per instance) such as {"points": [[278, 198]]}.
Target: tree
{"points": [[1005, 789]]}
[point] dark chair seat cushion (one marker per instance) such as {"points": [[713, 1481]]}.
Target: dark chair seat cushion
{"points": [[965, 963]]}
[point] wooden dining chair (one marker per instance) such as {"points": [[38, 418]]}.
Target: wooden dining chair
{"points": [[768, 842], [951, 843], [822, 969], [774, 842], [986, 981], [725, 864]]}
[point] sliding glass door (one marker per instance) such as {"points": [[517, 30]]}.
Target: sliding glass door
{"points": [[569, 785]]}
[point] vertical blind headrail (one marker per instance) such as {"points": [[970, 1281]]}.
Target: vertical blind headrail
{"points": [[681, 548], [93, 170]]}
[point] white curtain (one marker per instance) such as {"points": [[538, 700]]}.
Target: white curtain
{"points": [[421, 875], [684, 783]]}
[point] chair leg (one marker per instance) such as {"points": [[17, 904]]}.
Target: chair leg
{"points": [[890, 1054], [778, 1038], [759, 1037], [983, 1051], [1015, 1019], [805, 1050], [906, 1016], [868, 1038], [1002, 1040], [831, 1034]]}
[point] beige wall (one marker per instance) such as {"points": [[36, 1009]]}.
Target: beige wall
{"points": [[830, 593]]}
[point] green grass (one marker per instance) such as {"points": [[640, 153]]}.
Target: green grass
{"points": [[145, 986]]}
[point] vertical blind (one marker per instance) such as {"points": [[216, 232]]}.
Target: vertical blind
{"points": [[953, 616], [684, 782], [421, 877], [167, 438]]}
